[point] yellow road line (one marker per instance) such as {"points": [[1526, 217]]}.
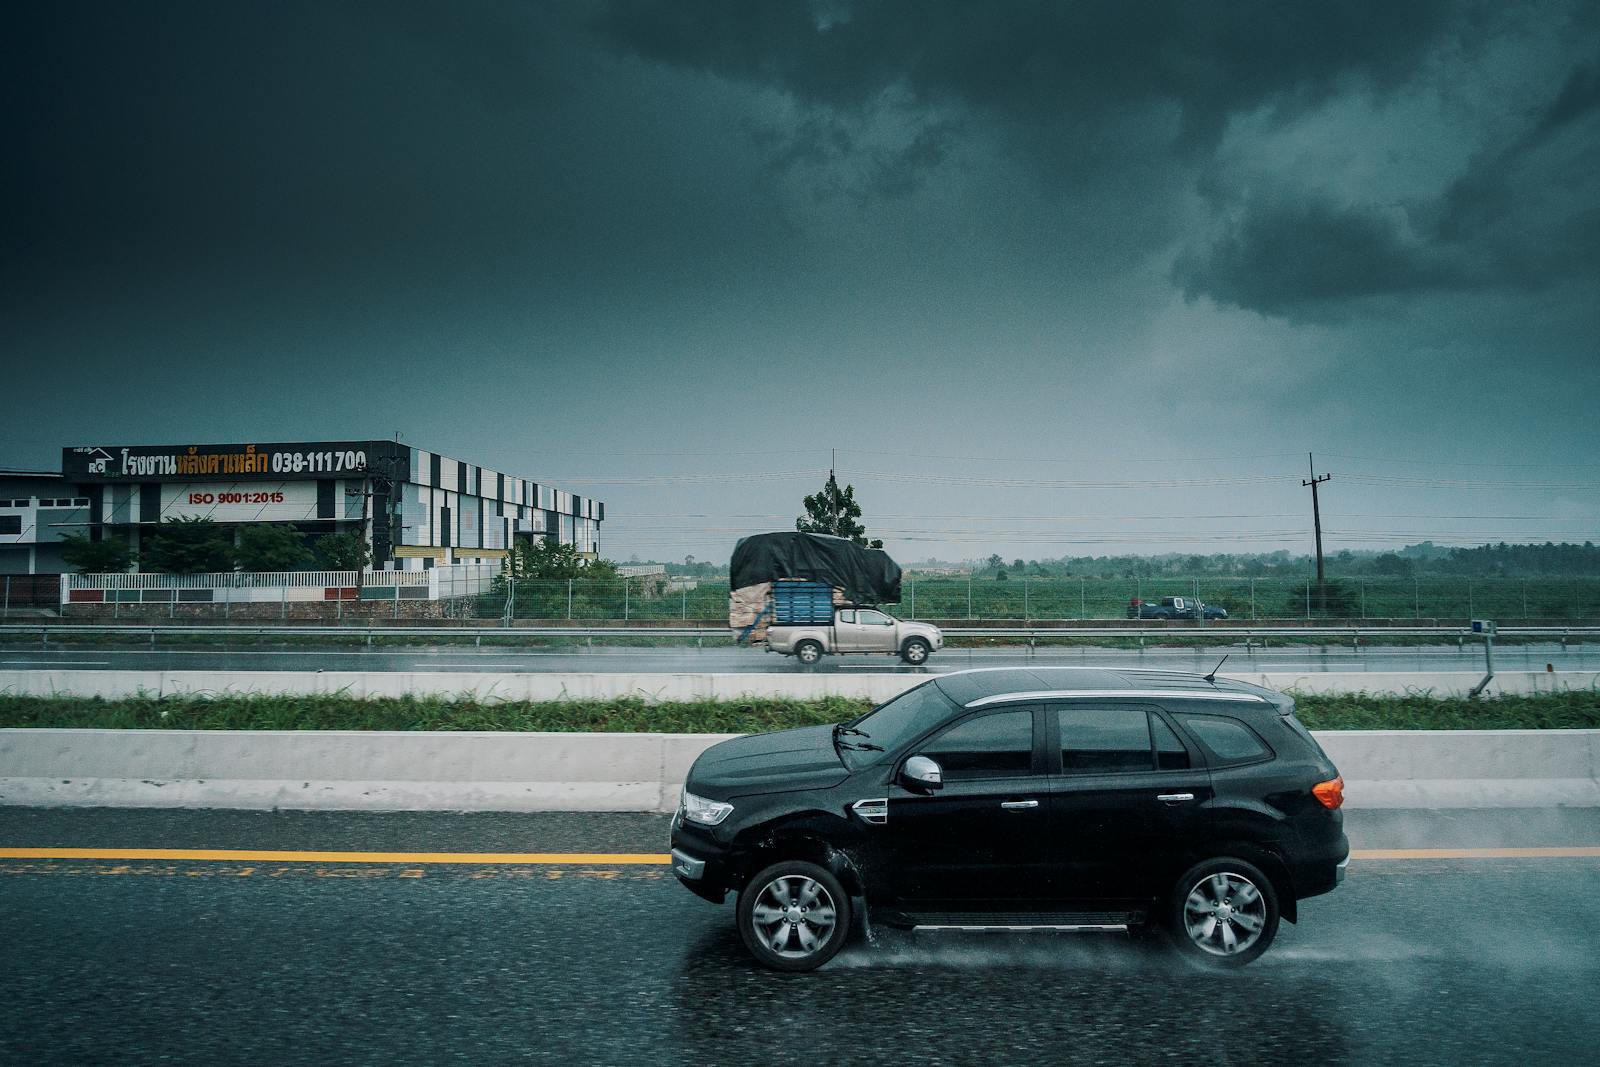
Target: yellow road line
{"points": [[1589, 851], [594, 859], [586, 859]]}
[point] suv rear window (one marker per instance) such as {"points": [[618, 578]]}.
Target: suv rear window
{"points": [[1117, 739], [1227, 740], [1305, 735]]}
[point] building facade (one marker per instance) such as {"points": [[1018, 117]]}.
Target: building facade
{"points": [[414, 508], [37, 512]]}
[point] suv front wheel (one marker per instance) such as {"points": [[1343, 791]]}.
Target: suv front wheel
{"points": [[794, 916], [1223, 912]]}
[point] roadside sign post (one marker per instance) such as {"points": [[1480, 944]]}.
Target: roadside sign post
{"points": [[1487, 628]]}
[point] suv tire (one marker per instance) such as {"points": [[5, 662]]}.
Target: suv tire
{"points": [[793, 916], [915, 651], [1223, 912], [808, 652]]}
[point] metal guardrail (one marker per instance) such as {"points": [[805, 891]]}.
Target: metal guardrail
{"points": [[1242, 633]]}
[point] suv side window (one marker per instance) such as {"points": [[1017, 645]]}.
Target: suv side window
{"points": [[1105, 740], [999, 745], [1171, 755], [846, 615], [1227, 740], [873, 618]]}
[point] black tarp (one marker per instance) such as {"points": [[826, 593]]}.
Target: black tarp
{"points": [[867, 575]]}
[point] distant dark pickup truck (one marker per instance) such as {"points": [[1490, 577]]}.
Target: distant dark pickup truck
{"points": [[1174, 607]]}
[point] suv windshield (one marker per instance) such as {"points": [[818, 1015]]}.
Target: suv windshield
{"points": [[893, 724]]}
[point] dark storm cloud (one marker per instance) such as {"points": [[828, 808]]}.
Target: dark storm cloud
{"points": [[1282, 256], [1525, 214], [1126, 103], [1063, 74], [356, 142]]}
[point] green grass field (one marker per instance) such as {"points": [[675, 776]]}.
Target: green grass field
{"points": [[1567, 711]]}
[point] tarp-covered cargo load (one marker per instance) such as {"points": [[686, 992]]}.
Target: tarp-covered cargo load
{"points": [[749, 613], [867, 575]]}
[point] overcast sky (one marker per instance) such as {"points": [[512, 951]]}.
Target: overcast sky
{"points": [[1053, 278]]}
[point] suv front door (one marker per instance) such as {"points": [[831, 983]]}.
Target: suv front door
{"points": [[1129, 795], [982, 841]]}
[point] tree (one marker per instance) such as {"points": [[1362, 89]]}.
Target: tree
{"points": [[546, 559], [110, 556], [994, 562], [343, 552], [835, 511], [272, 548], [187, 546]]}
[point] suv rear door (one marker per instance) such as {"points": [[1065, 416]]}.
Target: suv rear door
{"points": [[1129, 795]]}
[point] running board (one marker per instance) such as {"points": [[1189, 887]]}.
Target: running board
{"points": [[1065, 921]]}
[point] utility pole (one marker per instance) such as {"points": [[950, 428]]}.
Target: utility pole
{"points": [[1316, 512], [834, 508]]}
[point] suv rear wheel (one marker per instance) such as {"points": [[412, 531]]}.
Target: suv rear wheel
{"points": [[808, 652], [1223, 912], [794, 916]]}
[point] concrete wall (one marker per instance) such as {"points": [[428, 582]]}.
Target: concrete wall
{"points": [[356, 770], [794, 684], [346, 769]]}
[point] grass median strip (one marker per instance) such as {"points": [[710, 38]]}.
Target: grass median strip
{"points": [[1421, 711]]}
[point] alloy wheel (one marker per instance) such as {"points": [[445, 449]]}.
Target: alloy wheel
{"points": [[1225, 913], [794, 916]]}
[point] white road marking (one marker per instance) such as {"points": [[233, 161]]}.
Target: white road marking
{"points": [[55, 662], [436, 664]]}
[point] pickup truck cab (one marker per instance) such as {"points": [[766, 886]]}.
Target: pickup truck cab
{"points": [[856, 630], [1174, 607]]}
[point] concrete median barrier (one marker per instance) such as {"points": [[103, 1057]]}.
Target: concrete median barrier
{"points": [[381, 771], [795, 684]]}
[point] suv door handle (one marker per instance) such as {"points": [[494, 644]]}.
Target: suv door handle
{"points": [[1174, 798], [1019, 805]]}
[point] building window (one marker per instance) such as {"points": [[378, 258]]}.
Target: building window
{"points": [[10, 524]]}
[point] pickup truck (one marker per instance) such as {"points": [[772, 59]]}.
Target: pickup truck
{"points": [[856, 630], [1174, 607]]}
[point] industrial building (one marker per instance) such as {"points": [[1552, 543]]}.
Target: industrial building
{"points": [[414, 508]]}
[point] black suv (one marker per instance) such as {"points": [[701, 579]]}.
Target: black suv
{"points": [[1181, 807]]}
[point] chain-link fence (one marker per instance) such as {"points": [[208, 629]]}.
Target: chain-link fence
{"points": [[1093, 599], [952, 598]]}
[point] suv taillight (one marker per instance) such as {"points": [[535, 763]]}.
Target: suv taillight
{"points": [[1329, 794]]}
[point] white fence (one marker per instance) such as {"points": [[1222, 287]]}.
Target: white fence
{"points": [[275, 587]]}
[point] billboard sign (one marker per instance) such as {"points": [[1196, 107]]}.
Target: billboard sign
{"points": [[275, 462], [240, 501]]}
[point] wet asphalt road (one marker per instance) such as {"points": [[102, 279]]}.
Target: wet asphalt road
{"points": [[1472, 961], [612, 659]]}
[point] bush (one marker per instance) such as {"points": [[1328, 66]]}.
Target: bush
{"points": [[110, 556], [342, 552], [187, 546], [272, 548]]}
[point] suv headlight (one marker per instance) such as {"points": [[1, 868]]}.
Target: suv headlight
{"points": [[703, 811]]}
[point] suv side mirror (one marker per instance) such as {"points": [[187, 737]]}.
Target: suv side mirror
{"points": [[922, 774]]}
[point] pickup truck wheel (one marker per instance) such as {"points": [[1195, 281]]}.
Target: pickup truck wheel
{"points": [[808, 652], [794, 916], [914, 651]]}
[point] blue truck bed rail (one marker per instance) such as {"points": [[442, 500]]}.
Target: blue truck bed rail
{"points": [[801, 604]]}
